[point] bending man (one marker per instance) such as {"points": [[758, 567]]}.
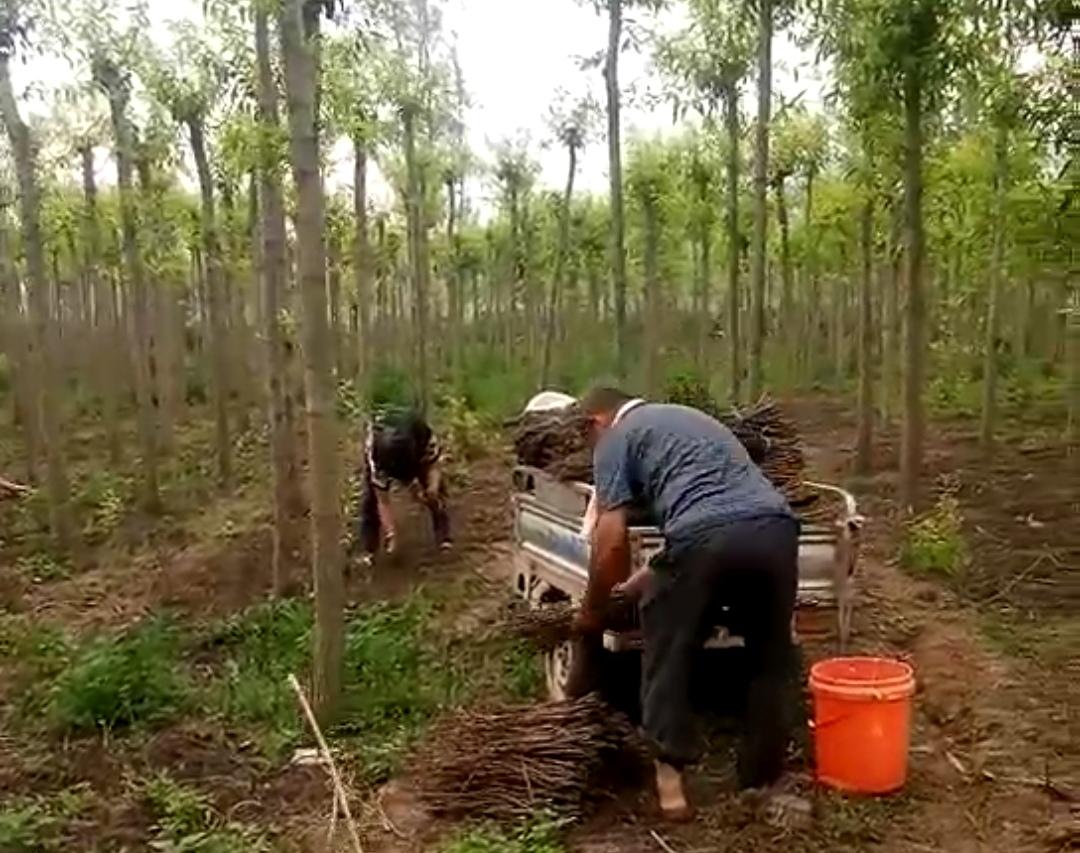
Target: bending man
{"points": [[401, 447], [731, 541]]}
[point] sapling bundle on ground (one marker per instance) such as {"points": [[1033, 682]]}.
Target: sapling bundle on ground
{"points": [[511, 763]]}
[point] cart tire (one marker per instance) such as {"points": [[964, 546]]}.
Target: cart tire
{"points": [[558, 666]]}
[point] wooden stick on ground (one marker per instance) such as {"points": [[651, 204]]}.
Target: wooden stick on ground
{"points": [[339, 788]]}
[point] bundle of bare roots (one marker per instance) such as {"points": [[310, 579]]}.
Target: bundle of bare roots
{"points": [[510, 763], [555, 441], [550, 625]]}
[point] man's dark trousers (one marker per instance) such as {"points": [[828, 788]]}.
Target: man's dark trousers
{"points": [[750, 567]]}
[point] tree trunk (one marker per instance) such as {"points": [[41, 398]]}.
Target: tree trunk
{"points": [[731, 112], [652, 296], [43, 374], [299, 33], [106, 327], [1072, 320], [761, 211], [418, 257], [787, 291], [892, 320], [272, 273], [560, 266], [865, 430], [14, 343], [119, 97], [618, 224], [362, 257], [993, 307], [454, 282], [333, 283], [914, 247], [214, 273]]}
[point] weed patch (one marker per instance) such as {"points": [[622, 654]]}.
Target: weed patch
{"points": [[118, 681], [394, 681], [25, 827], [934, 542], [542, 835], [260, 647], [523, 676], [188, 823], [393, 678], [42, 567], [34, 824]]}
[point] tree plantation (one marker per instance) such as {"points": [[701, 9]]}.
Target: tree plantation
{"points": [[234, 231]]}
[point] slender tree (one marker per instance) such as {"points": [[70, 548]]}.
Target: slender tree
{"points": [[711, 57], [571, 128], [116, 84], [298, 22], [185, 83], [272, 275], [44, 377], [761, 212]]}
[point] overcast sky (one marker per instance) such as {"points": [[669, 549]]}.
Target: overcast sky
{"points": [[515, 56]]}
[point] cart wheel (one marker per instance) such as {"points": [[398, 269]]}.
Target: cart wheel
{"points": [[558, 664]]}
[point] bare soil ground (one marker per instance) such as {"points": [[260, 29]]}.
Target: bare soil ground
{"points": [[995, 761]]}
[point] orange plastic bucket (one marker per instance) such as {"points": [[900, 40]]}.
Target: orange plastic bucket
{"points": [[862, 723]]}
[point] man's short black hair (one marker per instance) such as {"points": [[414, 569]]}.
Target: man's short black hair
{"points": [[603, 397]]}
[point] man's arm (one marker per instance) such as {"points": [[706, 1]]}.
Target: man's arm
{"points": [[609, 565]]}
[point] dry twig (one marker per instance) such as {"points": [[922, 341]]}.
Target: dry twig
{"points": [[340, 796]]}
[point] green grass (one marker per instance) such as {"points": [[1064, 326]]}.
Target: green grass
{"points": [[522, 673], [33, 823], [1049, 639], [42, 566], [540, 835], [393, 679], [121, 680], [851, 823], [396, 679], [25, 826], [398, 672], [188, 823], [259, 647], [934, 543]]}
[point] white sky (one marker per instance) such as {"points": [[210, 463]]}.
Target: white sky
{"points": [[515, 56]]}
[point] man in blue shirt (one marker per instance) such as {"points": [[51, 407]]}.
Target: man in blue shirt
{"points": [[731, 556]]}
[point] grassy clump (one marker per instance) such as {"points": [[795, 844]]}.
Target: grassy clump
{"points": [[393, 677], [261, 646], [934, 542], [522, 673], [188, 823], [26, 826], [541, 835], [34, 824], [398, 671], [42, 567], [395, 680], [118, 681]]}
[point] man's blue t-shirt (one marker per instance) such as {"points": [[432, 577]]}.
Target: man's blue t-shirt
{"points": [[689, 469]]}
